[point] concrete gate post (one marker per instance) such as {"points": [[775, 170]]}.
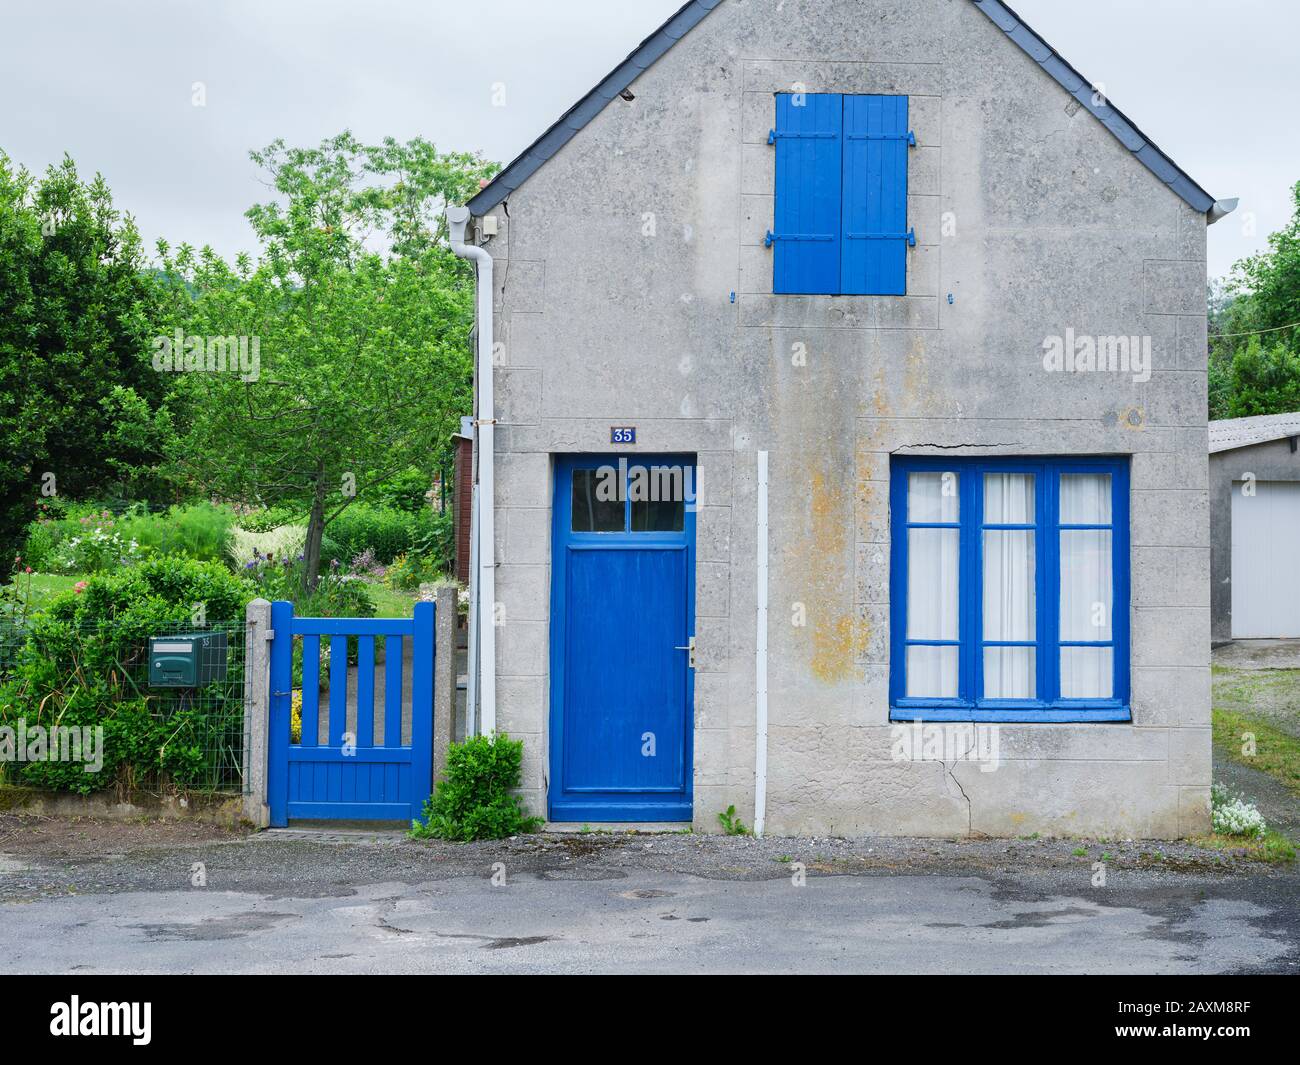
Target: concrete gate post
{"points": [[257, 710], [444, 676]]}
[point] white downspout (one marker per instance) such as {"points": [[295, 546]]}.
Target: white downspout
{"points": [[484, 426], [760, 657]]}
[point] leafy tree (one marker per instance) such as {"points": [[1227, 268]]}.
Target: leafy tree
{"points": [[81, 409], [364, 361], [1264, 378], [1254, 365]]}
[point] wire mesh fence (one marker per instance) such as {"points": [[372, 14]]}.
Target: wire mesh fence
{"points": [[179, 729]]}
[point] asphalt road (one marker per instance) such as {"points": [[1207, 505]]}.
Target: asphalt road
{"points": [[372, 904]]}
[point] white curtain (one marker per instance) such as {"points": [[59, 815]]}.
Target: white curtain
{"points": [[1010, 606], [932, 585], [1087, 587]]}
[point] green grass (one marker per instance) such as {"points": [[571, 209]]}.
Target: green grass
{"points": [[391, 603], [44, 587], [1276, 752], [1271, 848]]}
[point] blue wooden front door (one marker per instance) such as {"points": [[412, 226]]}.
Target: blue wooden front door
{"points": [[622, 620], [348, 760]]}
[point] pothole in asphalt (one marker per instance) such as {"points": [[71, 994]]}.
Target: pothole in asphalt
{"points": [[235, 926]]}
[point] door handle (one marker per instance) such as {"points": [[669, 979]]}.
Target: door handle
{"points": [[689, 647]]}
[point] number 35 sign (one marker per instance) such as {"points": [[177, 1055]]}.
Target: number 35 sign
{"points": [[622, 434]]}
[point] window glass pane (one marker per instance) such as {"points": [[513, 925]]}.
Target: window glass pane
{"points": [[1009, 499], [1087, 673], [1009, 673], [593, 508], [932, 584], [932, 497], [932, 672], [1085, 499], [1086, 585], [1010, 605]]}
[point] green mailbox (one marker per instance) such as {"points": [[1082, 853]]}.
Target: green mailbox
{"points": [[193, 660]]}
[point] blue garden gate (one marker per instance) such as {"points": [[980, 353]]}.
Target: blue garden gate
{"points": [[350, 766]]}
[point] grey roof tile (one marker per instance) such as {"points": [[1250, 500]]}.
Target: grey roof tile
{"points": [[1230, 433]]}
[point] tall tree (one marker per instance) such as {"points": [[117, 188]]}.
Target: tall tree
{"points": [[1254, 337], [81, 409], [364, 365]]}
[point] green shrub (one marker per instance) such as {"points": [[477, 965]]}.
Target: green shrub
{"points": [[385, 531], [84, 663], [38, 550], [408, 572], [157, 592], [407, 491], [91, 544], [91, 538], [474, 801], [198, 530]]}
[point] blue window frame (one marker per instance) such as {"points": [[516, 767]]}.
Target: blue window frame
{"points": [[1009, 589], [841, 195]]}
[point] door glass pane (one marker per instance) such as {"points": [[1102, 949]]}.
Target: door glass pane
{"points": [[1009, 673], [596, 506], [932, 672], [1087, 673], [658, 516], [1008, 499], [1085, 499], [1086, 585], [932, 584], [1010, 606], [932, 497]]}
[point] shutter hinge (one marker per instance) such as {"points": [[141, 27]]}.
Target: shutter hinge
{"points": [[772, 238], [909, 236], [773, 136]]}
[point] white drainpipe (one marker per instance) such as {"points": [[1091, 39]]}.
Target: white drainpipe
{"points": [[484, 591], [760, 657]]}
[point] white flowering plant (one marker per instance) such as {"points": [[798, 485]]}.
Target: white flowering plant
{"points": [[1234, 816], [98, 548]]}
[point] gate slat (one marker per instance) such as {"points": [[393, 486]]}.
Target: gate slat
{"points": [[310, 691], [365, 691]]}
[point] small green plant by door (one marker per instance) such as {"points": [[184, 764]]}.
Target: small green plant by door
{"points": [[474, 802], [731, 824]]}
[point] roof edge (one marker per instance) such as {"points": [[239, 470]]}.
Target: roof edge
{"points": [[653, 48], [576, 117], [1120, 125]]}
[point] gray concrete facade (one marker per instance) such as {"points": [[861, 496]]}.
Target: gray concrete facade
{"points": [[1229, 471], [633, 288]]}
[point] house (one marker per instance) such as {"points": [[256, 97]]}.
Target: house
{"points": [[844, 431], [1255, 528]]}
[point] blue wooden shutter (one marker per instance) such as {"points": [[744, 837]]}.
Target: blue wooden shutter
{"points": [[876, 237], [809, 164]]}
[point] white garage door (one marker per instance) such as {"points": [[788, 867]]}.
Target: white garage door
{"points": [[1266, 561]]}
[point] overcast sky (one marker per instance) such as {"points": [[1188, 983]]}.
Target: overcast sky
{"points": [[1215, 82]]}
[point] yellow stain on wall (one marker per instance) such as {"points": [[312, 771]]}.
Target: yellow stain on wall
{"points": [[837, 637]]}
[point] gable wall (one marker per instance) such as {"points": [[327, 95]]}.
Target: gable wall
{"points": [[1052, 225]]}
